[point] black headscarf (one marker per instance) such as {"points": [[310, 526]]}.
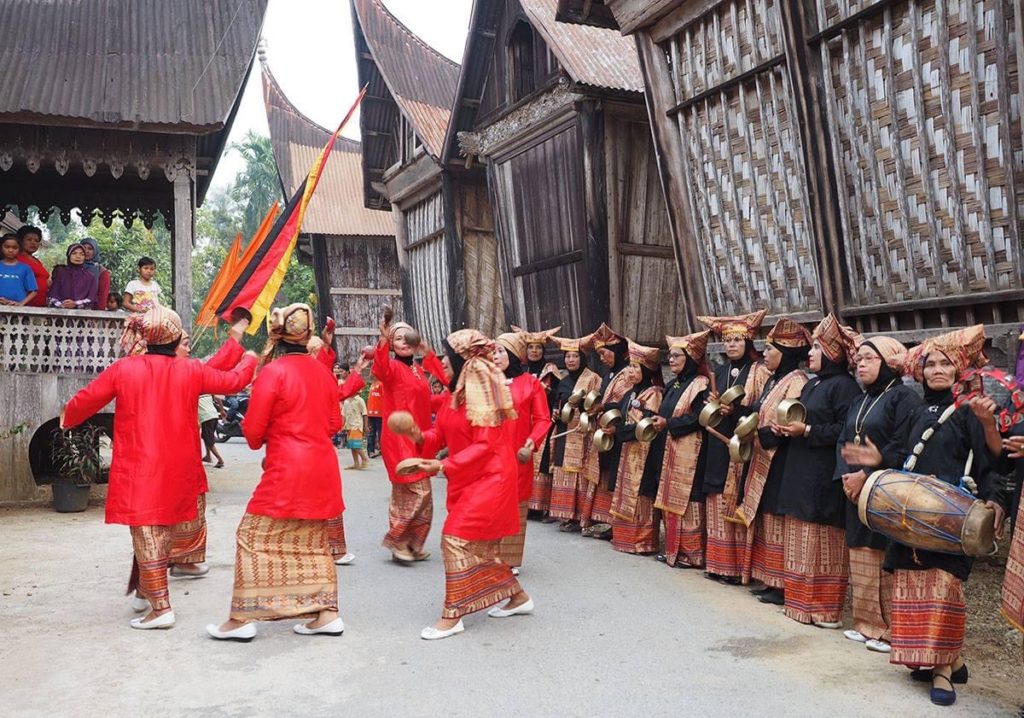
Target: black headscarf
{"points": [[621, 352], [456, 361], [886, 374], [689, 370], [167, 350], [515, 367], [534, 367], [832, 368], [791, 358]]}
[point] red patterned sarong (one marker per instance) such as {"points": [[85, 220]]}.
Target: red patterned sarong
{"points": [[1013, 581], [569, 493], [767, 557], [872, 593], [640, 535], [817, 571], [929, 618], [189, 537], [152, 545], [474, 578], [510, 548], [336, 536], [409, 515], [684, 536], [597, 506], [726, 541]]}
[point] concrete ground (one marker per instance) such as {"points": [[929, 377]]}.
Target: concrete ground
{"points": [[612, 634]]}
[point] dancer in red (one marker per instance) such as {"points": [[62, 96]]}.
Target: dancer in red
{"points": [[529, 430], [283, 564], [154, 485], [405, 387]]}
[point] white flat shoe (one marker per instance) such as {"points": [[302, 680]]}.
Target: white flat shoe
{"points": [[828, 624], [334, 628], [140, 604], [521, 610], [243, 634], [345, 560], [199, 571], [165, 620], [515, 571], [855, 636], [878, 646], [432, 634]]}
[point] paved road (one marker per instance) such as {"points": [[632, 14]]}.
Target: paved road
{"points": [[612, 635]]}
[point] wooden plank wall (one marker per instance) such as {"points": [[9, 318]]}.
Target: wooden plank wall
{"points": [[427, 267], [364, 276], [475, 225], [537, 193], [923, 105], [742, 162], [645, 297]]}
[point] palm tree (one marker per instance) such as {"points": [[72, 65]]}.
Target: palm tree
{"points": [[257, 185]]}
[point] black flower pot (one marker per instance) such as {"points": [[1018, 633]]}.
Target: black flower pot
{"points": [[69, 497]]}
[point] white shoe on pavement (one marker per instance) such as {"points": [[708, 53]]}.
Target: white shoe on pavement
{"points": [[855, 636], [334, 628], [828, 624], [164, 620], [140, 604], [200, 570], [878, 646], [432, 634], [345, 560], [520, 610], [243, 634]]}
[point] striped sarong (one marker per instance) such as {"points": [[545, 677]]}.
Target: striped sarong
{"points": [[409, 515], [336, 536], [817, 571], [474, 577], [872, 593], [767, 555], [597, 506], [189, 537], [639, 535], [726, 541], [540, 495], [569, 493], [152, 546], [510, 548], [929, 618], [684, 536], [283, 569]]}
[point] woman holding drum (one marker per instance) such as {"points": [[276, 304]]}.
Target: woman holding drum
{"points": [[817, 564], [929, 615], [874, 437]]}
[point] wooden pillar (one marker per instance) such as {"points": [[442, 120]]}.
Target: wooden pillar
{"points": [[454, 255], [184, 201], [595, 255], [322, 279]]}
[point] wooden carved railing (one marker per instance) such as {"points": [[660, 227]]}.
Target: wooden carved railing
{"points": [[58, 341]]}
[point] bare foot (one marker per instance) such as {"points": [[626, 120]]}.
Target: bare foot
{"points": [[517, 600]]}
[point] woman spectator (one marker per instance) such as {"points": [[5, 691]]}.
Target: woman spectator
{"points": [[102, 274], [30, 238], [74, 286]]}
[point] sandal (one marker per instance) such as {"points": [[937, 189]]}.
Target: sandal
{"points": [[940, 696], [959, 676], [219, 465]]}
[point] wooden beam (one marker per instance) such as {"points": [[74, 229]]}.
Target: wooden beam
{"points": [[960, 300], [631, 15], [595, 264], [549, 263], [644, 250], [687, 13], [728, 84], [840, 27], [184, 201], [363, 291]]}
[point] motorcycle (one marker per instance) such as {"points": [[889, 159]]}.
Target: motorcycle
{"points": [[231, 424]]}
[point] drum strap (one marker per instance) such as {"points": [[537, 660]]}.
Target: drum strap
{"points": [[928, 433]]}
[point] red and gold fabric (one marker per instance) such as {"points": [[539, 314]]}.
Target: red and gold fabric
{"points": [[605, 336], [188, 543], [893, 353], [726, 542], [817, 571], [474, 577], [634, 455], [481, 389], [152, 547], [640, 355], [872, 593], [929, 618], [789, 334], [571, 481], [159, 325], [767, 552], [694, 345], [1012, 606], [964, 348], [757, 378], [679, 465], [410, 513], [511, 548], [283, 569], [833, 338], [336, 542], [639, 535], [685, 536], [744, 325]]}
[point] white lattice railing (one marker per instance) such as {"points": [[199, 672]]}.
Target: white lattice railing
{"points": [[58, 341]]}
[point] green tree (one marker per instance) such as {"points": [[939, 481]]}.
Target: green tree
{"points": [[257, 186]]}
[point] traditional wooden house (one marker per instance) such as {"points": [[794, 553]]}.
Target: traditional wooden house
{"points": [[442, 217], [352, 248], [115, 109], [556, 113], [861, 157]]}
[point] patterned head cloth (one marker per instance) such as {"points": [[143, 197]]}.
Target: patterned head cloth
{"points": [[644, 356], [787, 333], [159, 325], [964, 347], [834, 339], [603, 337], [550, 370], [746, 325], [893, 353], [541, 338], [695, 345], [292, 324], [398, 327], [567, 344], [481, 386], [514, 343]]}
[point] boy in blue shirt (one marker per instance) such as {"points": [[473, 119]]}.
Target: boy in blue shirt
{"points": [[17, 282]]}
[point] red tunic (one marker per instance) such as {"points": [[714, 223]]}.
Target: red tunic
{"points": [[403, 388], [483, 496], [157, 472], [533, 419], [229, 354], [42, 279], [294, 411]]}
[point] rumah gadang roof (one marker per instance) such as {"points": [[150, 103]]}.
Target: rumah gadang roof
{"points": [[337, 205], [404, 76], [595, 57]]}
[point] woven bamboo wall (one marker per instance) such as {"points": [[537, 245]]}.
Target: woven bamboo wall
{"points": [[742, 161], [427, 267], [923, 101], [484, 310]]}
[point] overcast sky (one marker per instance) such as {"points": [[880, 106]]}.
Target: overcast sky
{"points": [[311, 52]]}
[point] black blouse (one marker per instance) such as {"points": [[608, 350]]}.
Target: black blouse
{"points": [[716, 465], [676, 427]]}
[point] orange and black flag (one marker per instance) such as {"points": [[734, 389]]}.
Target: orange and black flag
{"points": [[260, 273]]}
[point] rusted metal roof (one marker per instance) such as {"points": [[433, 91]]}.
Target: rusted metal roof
{"points": [[337, 205], [154, 63], [594, 56], [586, 12], [420, 80]]}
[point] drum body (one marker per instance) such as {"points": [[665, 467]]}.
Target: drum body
{"points": [[926, 513]]}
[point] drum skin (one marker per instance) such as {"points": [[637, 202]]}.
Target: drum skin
{"points": [[926, 513]]}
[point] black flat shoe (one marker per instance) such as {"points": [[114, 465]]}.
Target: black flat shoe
{"points": [[661, 558], [959, 676], [760, 590], [942, 697], [774, 597]]}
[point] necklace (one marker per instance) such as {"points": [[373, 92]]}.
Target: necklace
{"points": [[862, 416], [928, 433], [734, 372]]}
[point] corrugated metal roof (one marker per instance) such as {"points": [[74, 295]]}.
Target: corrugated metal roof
{"points": [[594, 56], [128, 62], [421, 80], [337, 205]]}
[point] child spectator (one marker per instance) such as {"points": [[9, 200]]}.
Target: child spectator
{"points": [[354, 413], [17, 282], [114, 303], [374, 409], [74, 286], [30, 238], [143, 294]]}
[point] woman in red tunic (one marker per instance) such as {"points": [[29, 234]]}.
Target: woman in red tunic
{"points": [[283, 564], [405, 387], [154, 484], [483, 485], [531, 426]]}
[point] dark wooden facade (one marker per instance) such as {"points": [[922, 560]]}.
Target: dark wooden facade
{"points": [[355, 260], [556, 114], [842, 155]]}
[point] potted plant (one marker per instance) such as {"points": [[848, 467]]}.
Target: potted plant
{"points": [[76, 459]]}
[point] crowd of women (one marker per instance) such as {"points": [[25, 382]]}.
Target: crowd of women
{"points": [[663, 474]]}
